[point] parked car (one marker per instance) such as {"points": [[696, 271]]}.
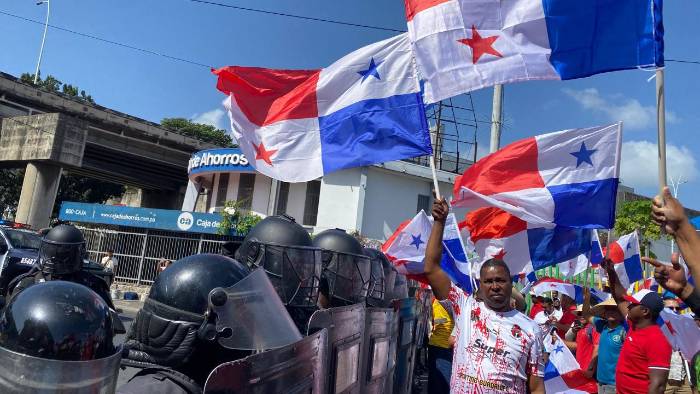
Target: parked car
{"points": [[19, 252]]}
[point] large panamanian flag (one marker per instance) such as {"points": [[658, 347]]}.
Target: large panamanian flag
{"points": [[568, 178], [297, 125], [464, 45]]}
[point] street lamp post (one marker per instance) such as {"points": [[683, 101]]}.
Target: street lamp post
{"points": [[43, 39]]}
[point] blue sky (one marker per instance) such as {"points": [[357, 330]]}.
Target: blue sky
{"points": [[154, 87]]}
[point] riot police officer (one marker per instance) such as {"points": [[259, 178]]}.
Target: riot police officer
{"points": [[284, 250], [61, 257], [346, 277], [383, 278], [204, 310], [57, 336]]}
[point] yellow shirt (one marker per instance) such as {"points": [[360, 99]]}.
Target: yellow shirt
{"points": [[442, 326]]}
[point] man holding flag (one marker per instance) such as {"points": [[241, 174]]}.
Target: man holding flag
{"points": [[498, 349]]}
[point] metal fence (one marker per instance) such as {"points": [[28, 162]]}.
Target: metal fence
{"points": [[138, 251]]}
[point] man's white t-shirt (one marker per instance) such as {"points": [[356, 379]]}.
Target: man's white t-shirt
{"points": [[495, 352], [109, 263]]}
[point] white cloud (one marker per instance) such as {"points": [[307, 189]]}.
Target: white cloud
{"points": [[215, 117], [631, 112], [639, 167]]}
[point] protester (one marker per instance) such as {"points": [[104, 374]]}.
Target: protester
{"points": [[109, 262], [585, 337], [556, 303], [537, 306], [163, 263], [668, 212], [499, 350], [440, 350], [568, 316], [609, 324], [645, 358]]}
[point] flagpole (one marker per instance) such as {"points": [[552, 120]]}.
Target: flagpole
{"points": [[435, 180], [496, 118], [661, 125]]}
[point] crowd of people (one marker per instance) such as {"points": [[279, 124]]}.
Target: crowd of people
{"points": [[500, 347]]}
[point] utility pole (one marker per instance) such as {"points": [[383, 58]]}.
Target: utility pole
{"points": [[496, 118], [43, 39]]}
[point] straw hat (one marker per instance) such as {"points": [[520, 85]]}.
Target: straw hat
{"points": [[607, 304]]}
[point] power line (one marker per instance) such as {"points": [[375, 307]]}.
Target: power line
{"points": [[132, 47], [683, 61], [308, 18]]}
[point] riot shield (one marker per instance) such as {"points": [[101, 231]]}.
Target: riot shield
{"points": [[393, 348], [405, 351], [297, 368], [346, 329], [376, 351], [20, 373]]}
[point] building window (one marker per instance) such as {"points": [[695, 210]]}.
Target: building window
{"points": [[222, 189], [246, 186], [423, 203], [282, 197], [313, 193]]}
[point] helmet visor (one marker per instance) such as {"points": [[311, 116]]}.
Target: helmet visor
{"points": [[61, 258], [253, 317]]}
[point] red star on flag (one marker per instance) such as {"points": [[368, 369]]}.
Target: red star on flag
{"points": [[500, 254], [263, 154], [480, 45]]}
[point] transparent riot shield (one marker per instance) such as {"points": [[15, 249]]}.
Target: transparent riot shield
{"points": [[376, 354], [301, 367], [405, 351], [250, 315], [346, 328], [377, 292], [393, 348], [20, 373], [348, 277]]}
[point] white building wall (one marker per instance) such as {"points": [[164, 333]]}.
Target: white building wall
{"points": [[337, 207], [261, 194], [296, 201], [391, 198]]}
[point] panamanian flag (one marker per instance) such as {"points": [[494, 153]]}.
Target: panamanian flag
{"points": [[297, 125], [626, 256], [567, 178], [464, 45], [563, 374]]}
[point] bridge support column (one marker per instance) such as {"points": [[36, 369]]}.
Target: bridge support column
{"points": [[38, 194]]}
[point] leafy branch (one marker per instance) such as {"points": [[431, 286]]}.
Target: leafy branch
{"points": [[236, 219]]}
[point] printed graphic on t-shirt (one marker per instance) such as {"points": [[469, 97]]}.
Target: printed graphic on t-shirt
{"points": [[495, 352]]}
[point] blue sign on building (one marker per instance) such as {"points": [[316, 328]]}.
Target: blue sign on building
{"points": [[218, 160], [162, 219]]}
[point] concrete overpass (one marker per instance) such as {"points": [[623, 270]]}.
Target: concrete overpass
{"points": [[49, 133]]}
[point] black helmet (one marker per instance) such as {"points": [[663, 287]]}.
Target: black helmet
{"points": [[172, 328], [337, 240], [284, 250], [58, 320], [346, 270], [62, 250], [382, 278]]}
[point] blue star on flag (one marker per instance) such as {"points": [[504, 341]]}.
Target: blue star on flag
{"points": [[583, 155], [559, 349], [371, 70], [416, 241]]}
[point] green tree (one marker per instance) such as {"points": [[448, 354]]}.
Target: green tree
{"points": [[636, 215], [199, 131], [237, 220], [10, 189], [54, 85]]}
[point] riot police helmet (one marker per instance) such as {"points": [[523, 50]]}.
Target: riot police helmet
{"points": [[283, 248], [346, 277], [62, 250], [382, 277], [58, 320], [58, 326]]}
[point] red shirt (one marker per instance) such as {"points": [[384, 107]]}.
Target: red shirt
{"points": [[567, 318], [586, 340], [537, 308], [643, 349]]}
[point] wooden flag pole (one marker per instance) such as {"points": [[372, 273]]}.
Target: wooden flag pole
{"points": [[435, 180], [496, 118], [661, 125]]}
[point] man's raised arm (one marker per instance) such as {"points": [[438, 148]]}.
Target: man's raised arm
{"points": [[439, 281]]}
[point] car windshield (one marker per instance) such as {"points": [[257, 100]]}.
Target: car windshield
{"points": [[23, 239]]}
